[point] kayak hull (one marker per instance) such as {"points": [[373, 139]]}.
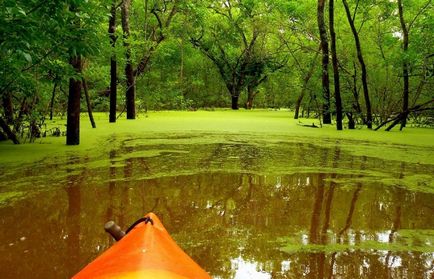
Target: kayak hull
{"points": [[147, 251]]}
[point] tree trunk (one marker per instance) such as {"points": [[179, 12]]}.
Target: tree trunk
{"points": [[19, 119], [362, 65], [336, 80], [250, 96], [234, 102], [181, 69], [113, 63], [8, 108], [351, 122], [53, 94], [306, 79], [11, 135], [404, 63], [89, 107], [73, 115], [129, 70], [325, 62], [356, 105]]}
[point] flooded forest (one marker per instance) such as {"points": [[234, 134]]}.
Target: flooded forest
{"points": [[273, 139]]}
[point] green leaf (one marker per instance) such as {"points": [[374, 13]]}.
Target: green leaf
{"points": [[28, 57], [21, 11]]}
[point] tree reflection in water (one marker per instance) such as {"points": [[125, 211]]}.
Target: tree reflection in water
{"points": [[239, 210]]}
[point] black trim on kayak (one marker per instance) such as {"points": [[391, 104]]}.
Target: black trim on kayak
{"points": [[147, 220]]}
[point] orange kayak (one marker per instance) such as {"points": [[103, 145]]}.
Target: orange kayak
{"points": [[147, 251]]}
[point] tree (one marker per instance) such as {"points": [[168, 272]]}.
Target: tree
{"points": [[412, 61], [235, 39], [304, 88], [130, 95], [351, 20], [326, 115], [405, 70], [154, 34], [113, 62], [73, 114], [336, 80]]}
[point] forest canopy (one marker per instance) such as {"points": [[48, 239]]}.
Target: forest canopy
{"points": [[356, 63]]}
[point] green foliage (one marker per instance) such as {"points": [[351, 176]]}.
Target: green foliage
{"points": [[37, 39]]}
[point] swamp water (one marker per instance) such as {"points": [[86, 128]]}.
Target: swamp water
{"points": [[242, 207]]}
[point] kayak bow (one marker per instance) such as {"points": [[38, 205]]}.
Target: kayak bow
{"points": [[147, 251]]}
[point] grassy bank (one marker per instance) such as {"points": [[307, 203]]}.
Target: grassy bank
{"points": [[411, 145]]}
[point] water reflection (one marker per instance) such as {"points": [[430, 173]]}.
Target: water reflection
{"points": [[233, 208]]}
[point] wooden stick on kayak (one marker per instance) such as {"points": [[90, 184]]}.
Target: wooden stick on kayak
{"points": [[114, 230]]}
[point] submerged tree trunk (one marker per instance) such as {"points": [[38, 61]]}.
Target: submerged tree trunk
{"points": [[325, 63], [405, 66], [89, 106], [336, 80], [73, 115], [306, 79], [113, 63], [129, 70], [362, 65]]}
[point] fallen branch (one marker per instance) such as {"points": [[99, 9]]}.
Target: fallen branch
{"points": [[404, 114]]}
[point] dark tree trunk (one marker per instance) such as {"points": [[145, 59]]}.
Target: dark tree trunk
{"points": [[306, 79], [234, 102], [89, 106], [53, 94], [336, 80], [250, 97], [3, 135], [351, 122], [362, 65], [113, 63], [11, 135], [131, 92], [356, 105], [8, 108], [129, 70], [19, 119], [326, 115], [405, 67], [73, 115]]}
